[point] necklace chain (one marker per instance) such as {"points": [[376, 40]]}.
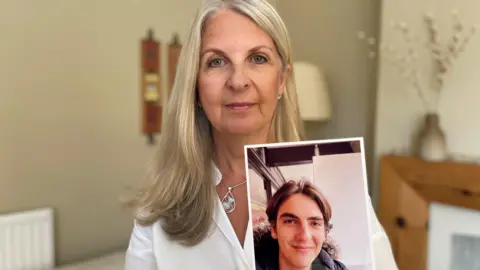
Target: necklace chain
{"points": [[228, 201]]}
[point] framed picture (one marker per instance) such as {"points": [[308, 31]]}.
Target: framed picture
{"points": [[454, 238]]}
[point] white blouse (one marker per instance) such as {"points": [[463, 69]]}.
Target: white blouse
{"points": [[151, 249]]}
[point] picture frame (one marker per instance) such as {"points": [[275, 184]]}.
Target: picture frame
{"points": [[454, 236]]}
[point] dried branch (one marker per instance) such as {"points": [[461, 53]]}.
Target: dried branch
{"points": [[443, 56]]}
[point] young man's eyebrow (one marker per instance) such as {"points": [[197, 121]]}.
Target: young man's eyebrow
{"points": [[288, 215]]}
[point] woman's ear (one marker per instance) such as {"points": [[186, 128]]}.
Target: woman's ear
{"points": [[286, 72]]}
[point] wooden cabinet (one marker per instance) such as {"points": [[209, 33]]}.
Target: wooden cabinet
{"points": [[407, 186]]}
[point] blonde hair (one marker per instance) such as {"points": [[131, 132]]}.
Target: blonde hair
{"points": [[181, 193]]}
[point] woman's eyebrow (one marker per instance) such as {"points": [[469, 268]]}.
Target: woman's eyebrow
{"points": [[256, 48], [214, 50], [220, 52]]}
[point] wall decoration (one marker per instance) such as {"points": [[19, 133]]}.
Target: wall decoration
{"points": [[150, 89], [174, 50]]}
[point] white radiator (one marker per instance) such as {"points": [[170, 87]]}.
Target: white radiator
{"points": [[27, 240]]}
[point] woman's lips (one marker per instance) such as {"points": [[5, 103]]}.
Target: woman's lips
{"points": [[240, 105]]}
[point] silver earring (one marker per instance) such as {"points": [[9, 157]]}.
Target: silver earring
{"points": [[279, 96]]}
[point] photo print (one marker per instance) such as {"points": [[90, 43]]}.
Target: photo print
{"points": [[309, 205]]}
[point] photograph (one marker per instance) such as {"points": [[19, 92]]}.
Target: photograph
{"points": [[309, 205]]}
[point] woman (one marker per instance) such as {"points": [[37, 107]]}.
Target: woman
{"points": [[234, 86], [297, 238]]}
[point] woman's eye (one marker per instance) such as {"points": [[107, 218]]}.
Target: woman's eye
{"points": [[215, 62], [317, 224], [258, 59]]}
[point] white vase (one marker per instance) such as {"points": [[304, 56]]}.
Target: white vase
{"points": [[433, 146]]}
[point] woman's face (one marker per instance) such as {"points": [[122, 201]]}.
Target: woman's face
{"points": [[300, 232], [240, 75]]}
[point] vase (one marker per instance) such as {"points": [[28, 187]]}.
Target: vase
{"points": [[432, 142]]}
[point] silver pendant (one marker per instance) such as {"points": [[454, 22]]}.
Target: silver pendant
{"points": [[228, 202]]}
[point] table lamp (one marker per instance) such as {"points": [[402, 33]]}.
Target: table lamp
{"points": [[313, 97]]}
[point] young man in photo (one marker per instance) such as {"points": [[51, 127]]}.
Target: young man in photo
{"points": [[297, 238]]}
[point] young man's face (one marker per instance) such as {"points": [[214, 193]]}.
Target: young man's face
{"points": [[300, 232]]}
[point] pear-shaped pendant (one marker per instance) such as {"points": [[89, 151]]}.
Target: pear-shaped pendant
{"points": [[228, 202]]}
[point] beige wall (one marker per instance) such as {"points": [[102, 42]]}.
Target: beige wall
{"points": [[399, 110], [325, 33], [69, 112]]}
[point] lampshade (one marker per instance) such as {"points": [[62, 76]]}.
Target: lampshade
{"points": [[313, 97]]}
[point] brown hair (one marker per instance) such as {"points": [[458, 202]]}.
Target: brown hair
{"points": [[308, 189]]}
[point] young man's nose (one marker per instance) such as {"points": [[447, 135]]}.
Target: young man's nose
{"points": [[303, 231]]}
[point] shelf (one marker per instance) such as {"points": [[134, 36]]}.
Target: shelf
{"points": [[407, 187]]}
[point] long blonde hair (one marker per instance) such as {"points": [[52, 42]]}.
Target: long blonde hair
{"points": [[182, 191]]}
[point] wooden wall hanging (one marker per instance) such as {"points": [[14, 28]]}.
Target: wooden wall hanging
{"points": [[174, 50], [151, 94], [407, 187]]}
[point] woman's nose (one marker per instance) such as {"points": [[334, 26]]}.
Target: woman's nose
{"points": [[239, 80]]}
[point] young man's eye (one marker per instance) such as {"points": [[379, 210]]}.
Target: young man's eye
{"points": [[289, 221], [259, 59]]}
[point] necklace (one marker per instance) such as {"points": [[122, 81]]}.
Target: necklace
{"points": [[228, 201]]}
